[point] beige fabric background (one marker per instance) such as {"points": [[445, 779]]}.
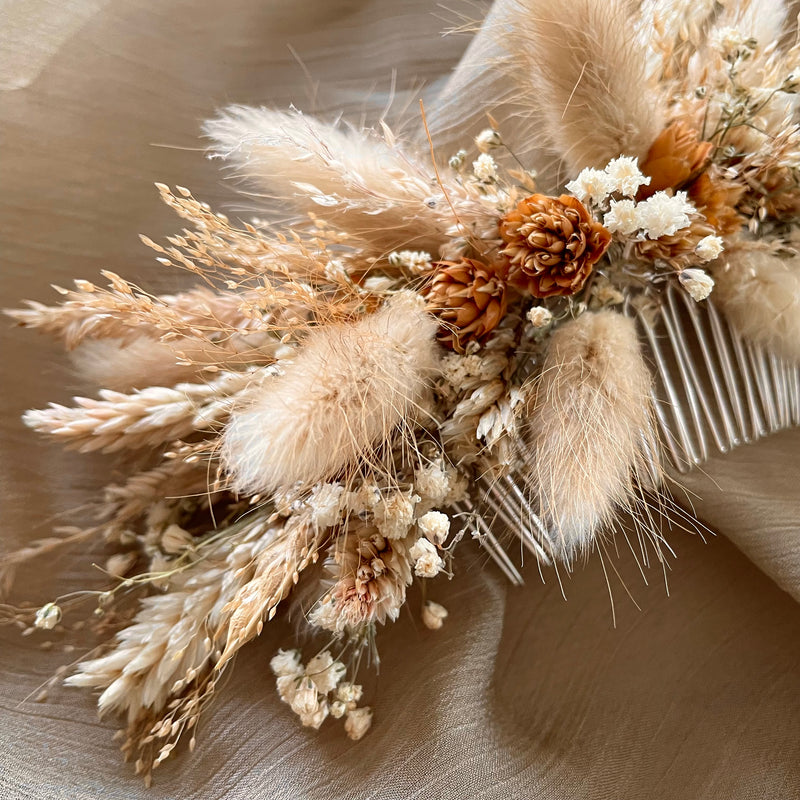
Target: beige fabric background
{"points": [[522, 694]]}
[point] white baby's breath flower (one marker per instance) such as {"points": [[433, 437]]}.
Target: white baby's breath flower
{"points": [[662, 215], [432, 482], [349, 692], [456, 161], [427, 563], [315, 718], [539, 316], [487, 139], [305, 700], [326, 504], [625, 175], [708, 248], [485, 168], [394, 515], [435, 526], [325, 672], [732, 43], [47, 617], [287, 687], [286, 662], [698, 283], [591, 185], [358, 722], [622, 217], [415, 261], [433, 615]]}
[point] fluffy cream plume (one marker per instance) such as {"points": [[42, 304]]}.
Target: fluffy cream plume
{"points": [[582, 74], [142, 419], [349, 388], [175, 635], [366, 184], [589, 433], [760, 294]]}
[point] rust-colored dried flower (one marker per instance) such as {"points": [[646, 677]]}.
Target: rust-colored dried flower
{"points": [[678, 160], [675, 159], [469, 298], [717, 199], [552, 244]]}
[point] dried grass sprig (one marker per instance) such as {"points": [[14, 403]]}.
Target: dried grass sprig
{"points": [[276, 570], [174, 635], [145, 418]]}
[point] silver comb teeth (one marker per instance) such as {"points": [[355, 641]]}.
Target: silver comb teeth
{"points": [[713, 390]]}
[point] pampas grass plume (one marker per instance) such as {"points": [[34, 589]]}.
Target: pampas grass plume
{"points": [[350, 387], [589, 430]]}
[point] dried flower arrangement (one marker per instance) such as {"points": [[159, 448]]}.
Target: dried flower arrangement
{"points": [[434, 349]]}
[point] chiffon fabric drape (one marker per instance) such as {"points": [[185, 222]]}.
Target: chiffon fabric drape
{"points": [[687, 693]]}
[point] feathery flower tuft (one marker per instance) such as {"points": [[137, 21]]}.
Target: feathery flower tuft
{"points": [[589, 428], [350, 387], [760, 293]]}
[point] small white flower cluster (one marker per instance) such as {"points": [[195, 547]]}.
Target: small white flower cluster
{"points": [[456, 161], [435, 526], [47, 617], [488, 139], [427, 561], [708, 248], [317, 690], [325, 503], [485, 168], [433, 615], [622, 175], [414, 261], [433, 482], [732, 44], [394, 513], [665, 215], [697, 283], [660, 215], [540, 317]]}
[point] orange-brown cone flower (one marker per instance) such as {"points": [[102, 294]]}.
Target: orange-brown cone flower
{"points": [[469, 297], [552, 243]]}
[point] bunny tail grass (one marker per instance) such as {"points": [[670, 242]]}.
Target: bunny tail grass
{"points": [[590, 437]]}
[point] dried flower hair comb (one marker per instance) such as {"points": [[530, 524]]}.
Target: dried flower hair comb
{"points": [[434, 349]]}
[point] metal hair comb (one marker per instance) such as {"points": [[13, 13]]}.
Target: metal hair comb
{"points": [[713, 390]]}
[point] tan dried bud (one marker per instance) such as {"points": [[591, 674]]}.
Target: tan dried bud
{"points": [[469, 298]]}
